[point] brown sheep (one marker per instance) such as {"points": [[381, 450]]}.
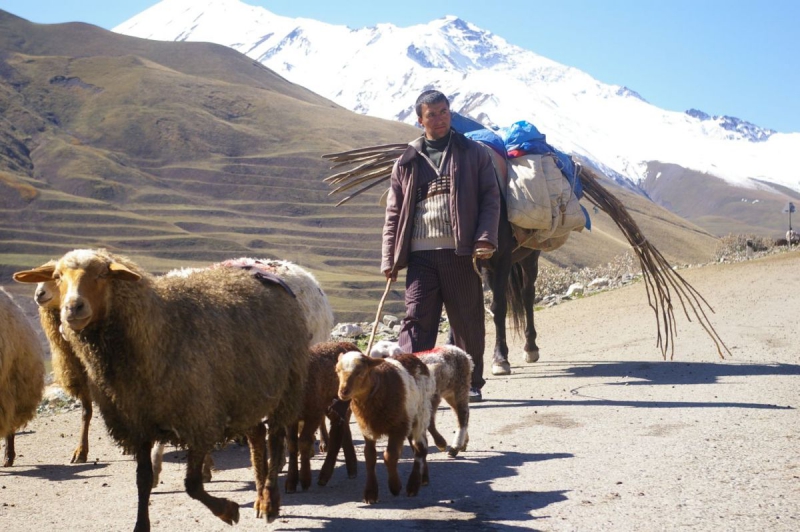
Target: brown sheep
{"points": [[188, 360], [67, 368], [321, 391], [21, 373], [389, 397]]}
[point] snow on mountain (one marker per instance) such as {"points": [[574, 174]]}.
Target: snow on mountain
{"points": [[380, 70]]}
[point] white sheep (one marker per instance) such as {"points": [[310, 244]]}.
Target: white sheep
{"points": [[310, 296], [451, 368], [389, 397], [21, 373]]}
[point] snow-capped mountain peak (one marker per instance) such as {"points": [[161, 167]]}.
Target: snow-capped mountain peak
{"points": [[380, 70]]}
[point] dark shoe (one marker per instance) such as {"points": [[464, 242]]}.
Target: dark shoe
{"points": [[475, 395]]}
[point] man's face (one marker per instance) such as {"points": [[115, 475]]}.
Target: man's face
{"points": [[435, 120]]}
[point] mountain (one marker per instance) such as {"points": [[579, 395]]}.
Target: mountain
{"points": [[379, 71], [183, 153]]}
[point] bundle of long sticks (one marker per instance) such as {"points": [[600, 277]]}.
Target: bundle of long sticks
{"points": [[658, 275], [372, 166]]}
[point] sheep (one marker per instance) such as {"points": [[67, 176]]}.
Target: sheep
{"points": [[389, 397], [70, 373], [21, 373], [67, 368], [310, 296], [451, 368], [321, 391], [312, 299], [189, 360]]}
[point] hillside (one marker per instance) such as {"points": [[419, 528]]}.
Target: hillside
{"points": [[182, 154]]}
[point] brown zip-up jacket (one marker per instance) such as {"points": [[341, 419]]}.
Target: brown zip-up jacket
{"points": [[474, 200]]}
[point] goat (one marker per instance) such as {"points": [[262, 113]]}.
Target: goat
{"points": [[189, 360], [321, 391], [451, 368], [389, 397], [21, 373]]}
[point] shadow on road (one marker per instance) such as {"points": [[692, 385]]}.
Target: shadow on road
{"points": [[639, 374]]}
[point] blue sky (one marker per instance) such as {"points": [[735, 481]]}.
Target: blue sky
{"points": [[733, 57]]}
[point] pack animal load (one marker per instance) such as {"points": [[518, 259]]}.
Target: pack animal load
{"points": [[539, 184]]}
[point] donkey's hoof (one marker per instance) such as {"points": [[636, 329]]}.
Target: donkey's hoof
{"points": [[531, 356], [502, 368]]}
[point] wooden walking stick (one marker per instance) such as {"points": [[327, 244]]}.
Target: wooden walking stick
{"points": [[378, 316]]}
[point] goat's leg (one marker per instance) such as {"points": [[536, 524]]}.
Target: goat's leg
{"points": [[272, 493], [225, 509], [423, 445], [256, 440], [391, 456], [438, 439], [9, 454], [144, 484], [350, 460], [370, 459], [306, 445], [332, 450], [208, 467], [324, 438], [291, 443], [157, 459], [460, 406], [419, 473], [81, 453]]}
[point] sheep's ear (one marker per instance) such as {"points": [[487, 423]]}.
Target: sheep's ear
{"points": [[42, 274], [118, 271]]}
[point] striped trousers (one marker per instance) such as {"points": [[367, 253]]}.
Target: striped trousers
{"points": [[440, 277]]}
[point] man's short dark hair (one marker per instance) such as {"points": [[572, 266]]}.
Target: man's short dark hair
{"points": [[430, 97]]}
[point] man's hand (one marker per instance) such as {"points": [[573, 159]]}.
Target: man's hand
{"points": [[483, 250], [390, 275]]}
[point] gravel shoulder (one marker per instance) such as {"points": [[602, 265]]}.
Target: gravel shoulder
{"points": [[600, 434]]}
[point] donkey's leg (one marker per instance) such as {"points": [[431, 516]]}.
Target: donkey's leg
{"points": [[498, 280], [530, 273]]}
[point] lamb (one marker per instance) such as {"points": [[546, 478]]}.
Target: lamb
{"points": [[67, 367], [389, 397], [21, 373], [321, 391], [451, 368], [189, 360]]}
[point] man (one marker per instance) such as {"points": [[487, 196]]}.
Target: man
{"points": [[442, 210]]}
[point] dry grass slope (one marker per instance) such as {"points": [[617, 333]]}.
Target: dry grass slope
{"points": [[187, 153]]}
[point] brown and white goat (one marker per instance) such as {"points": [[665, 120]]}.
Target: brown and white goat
{"points": [[389, 397], [322, 387], [451, 368]]}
